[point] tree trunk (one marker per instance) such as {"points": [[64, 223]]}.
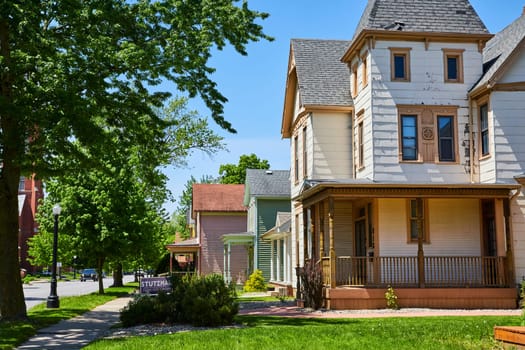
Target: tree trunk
{"points": [[100, 266], [117, 275], [12, 304]]}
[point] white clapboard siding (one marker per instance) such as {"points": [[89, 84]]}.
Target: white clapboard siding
{"points": [[448, 230], [331, 146], [509, 128], [426, 87]]}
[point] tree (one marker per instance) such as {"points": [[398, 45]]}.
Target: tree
{"points": [[236, 174], [114, 213], [73, 74]]}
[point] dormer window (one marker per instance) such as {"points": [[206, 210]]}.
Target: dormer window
{"points": [[400, 64], [453, 63]]}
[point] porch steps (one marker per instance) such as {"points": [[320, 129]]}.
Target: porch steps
{"points": [[512, 337]]}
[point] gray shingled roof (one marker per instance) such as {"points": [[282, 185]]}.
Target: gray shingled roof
{"points": [[322, 78], [500, 47], [267, 183], [443, 16]]}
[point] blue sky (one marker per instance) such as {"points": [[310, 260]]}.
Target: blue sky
{"points": [[254, 84]]}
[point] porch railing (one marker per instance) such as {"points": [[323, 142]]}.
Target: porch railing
{"points": [[439, 271]]}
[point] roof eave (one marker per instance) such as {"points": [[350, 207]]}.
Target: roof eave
{"points": [[375, 34]]}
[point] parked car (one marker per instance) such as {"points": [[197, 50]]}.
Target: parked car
{"points": [[88, 274]]}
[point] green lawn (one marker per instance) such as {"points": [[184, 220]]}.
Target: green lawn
{"points": [[15, 333], [262, 333]]}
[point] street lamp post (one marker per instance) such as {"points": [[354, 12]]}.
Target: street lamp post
{"points": [[52, 299]]}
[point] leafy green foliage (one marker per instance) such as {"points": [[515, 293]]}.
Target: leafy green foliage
{"points": [[255, 282], [79, 78], [198, 300], [236, 173], [312, 285], [391, 299]]}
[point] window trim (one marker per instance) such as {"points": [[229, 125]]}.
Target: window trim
{"points": [[305, 155], [296, 158], [453, 53], [482, 131], [355, 81], [360, 145], [364, 69], [402, 137], [410, 218], [427, 138], [404, 52], [439, 138]]}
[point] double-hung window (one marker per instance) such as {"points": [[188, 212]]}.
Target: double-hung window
{"points": [[427, 134], [446, 147], [417, 220], [453, 63], [409, 135], [484, 129], [400, 64]]}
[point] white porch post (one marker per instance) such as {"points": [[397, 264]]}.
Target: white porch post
{"points": [[272, 265], [229, 262], [224, 262], [286, 275], [279, 259]]}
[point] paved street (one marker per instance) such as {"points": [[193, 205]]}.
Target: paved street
{"points": [[37, 292]]}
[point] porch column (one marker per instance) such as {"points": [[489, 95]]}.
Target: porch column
{"points": [[305, 235], [508, 237], [278, 259], [224, 262], [313, 249], [499, 223], [229, 262], [420, 237], [286, 262], [321, 230], [332, 243], [272, 265]]}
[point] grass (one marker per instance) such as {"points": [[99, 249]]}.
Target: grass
{"points": [[298, 333], [15, 333]]}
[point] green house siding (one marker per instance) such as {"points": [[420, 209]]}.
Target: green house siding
{"points": [[266, 215]]}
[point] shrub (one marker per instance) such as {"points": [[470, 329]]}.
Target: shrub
{"points": [[255, 282], [312, 285], [206, 301], [201, 301], [391, 299]]}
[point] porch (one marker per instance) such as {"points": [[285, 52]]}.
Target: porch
{"points": [[437, 246], [441, 282]]}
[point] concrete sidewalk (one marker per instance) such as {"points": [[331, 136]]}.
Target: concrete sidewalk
{"points": [[77, 332]]}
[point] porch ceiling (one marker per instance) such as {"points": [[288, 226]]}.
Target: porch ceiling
{"points": [[315, 191]]}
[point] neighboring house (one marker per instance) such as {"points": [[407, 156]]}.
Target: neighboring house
{"points": [[267, 192], [280, 238], [408, 157], [217, 210], [30, 192]]}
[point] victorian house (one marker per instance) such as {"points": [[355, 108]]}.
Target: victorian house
{"points": [[407, 145]]}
